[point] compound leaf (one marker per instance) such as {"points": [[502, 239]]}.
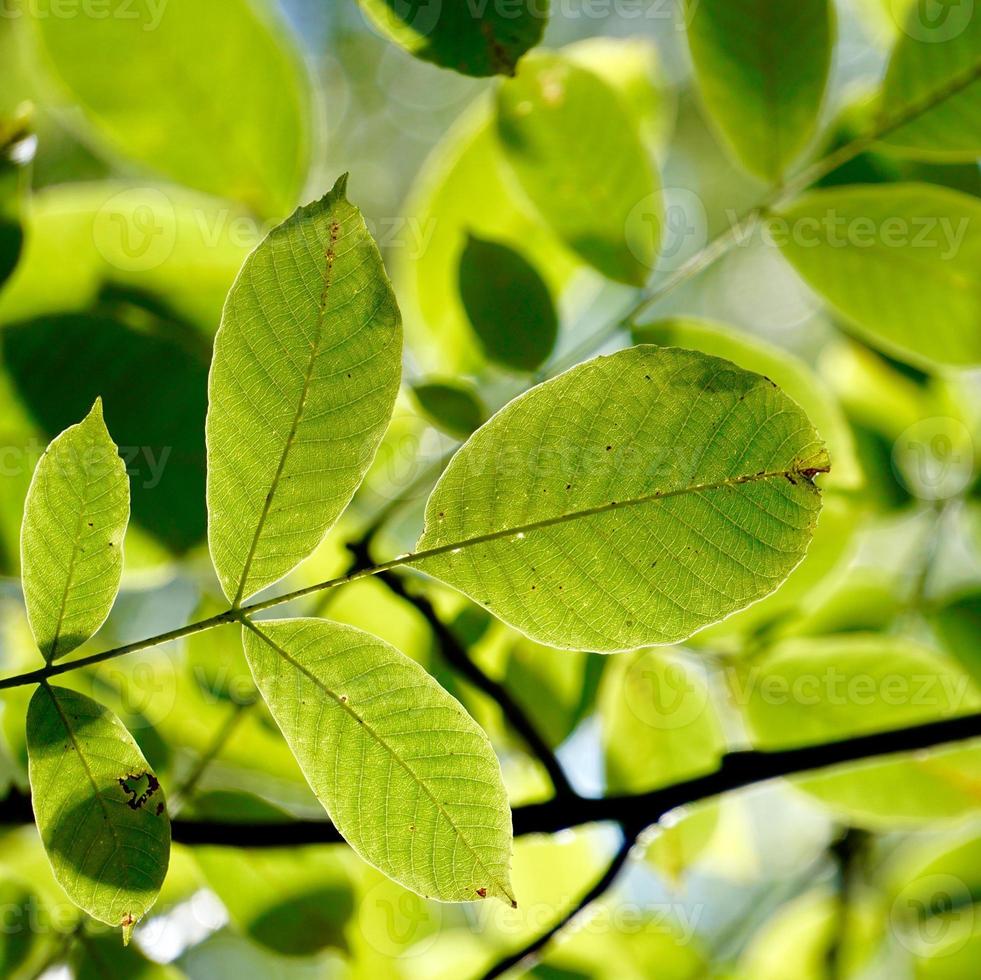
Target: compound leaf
{"points": [[305, 374], [472, 39], [630, 501], [900, 261], [406, 775], [75, 518], [99, 808], [762, 68]]}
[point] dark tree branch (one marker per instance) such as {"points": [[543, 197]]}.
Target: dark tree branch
{"points": [[738, 770]]}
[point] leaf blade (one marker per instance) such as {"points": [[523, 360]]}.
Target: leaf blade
{"points": [[471, 40], [889, 288], [98, 806], [237, 126], [933, 85], [360, 724], [607, 501], [762, 69], [604, 204], [75, 519], [304, 369]]}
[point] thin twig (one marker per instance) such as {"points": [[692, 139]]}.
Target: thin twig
{"points": [[457, 657], [527, 956]]}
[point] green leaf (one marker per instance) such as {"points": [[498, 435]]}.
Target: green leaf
{"points": [[894, 259], [454, 407], [659, 723], [474, 39], [577, 153], [406, 775], [808, 691], [508, 305], [136, 368], [958, 624], [628, 502], [234, 125], [762, 67], [295, 901], [305, 374], [934, 81], [72, 538], [99, 808]]}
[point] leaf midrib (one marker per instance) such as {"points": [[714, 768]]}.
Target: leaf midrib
{"points": [[297, 415], [72, 558], [801, 472], [84, 762], [364, 725]]}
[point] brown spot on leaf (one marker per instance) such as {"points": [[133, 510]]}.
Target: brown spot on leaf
{"points": [[482, 892]]}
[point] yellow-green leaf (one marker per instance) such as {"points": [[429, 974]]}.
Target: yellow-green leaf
{"points": [[305, 374], [405, 773], [99, 807], [72, 538], [628, 502]]}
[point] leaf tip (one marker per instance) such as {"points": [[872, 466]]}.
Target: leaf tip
{"points": [[339, 191], [128, 923]]}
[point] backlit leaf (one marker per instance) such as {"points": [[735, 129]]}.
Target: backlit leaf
{"points": [[900, 261], [762, 68], [578, 154], [304, 378], [471, 38], [628, 502], [99, 808], [72, 538], [230, 106], [934, 82], [406, 775]]}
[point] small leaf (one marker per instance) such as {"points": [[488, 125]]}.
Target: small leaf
{"points": [[508, 304], [72, 538], [577, 153], [99, 808], [900, 261], [305, 374], [474, 39], [762, 67], [630, 501], [236, 125], [451, 406], [406, 775], [934, 81]]}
